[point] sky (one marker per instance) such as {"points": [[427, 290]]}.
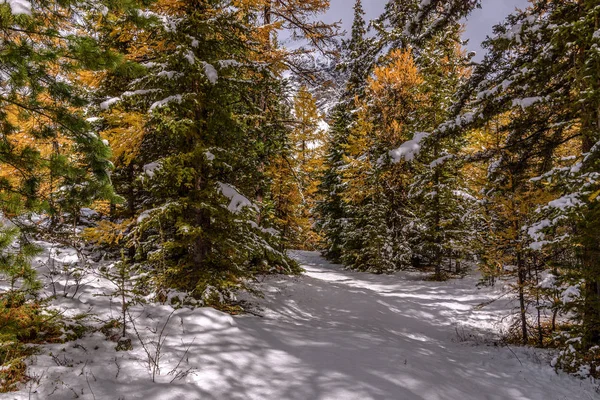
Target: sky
{"points": [[478, 25]]}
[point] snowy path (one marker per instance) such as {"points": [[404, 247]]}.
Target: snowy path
{"points": [[328, 334], [335, 334]]}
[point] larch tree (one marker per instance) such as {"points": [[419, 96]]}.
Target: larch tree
{"points": [[295, 175]]}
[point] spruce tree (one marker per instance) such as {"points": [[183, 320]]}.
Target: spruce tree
{"points": [[541, 72], [52, 160], [357, 62], [442, 201], [204, 149]]}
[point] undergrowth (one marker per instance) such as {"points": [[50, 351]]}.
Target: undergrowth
{"points": [[23, 325]]}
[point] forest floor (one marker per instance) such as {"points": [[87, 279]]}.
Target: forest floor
{"points": [[327, 334]]}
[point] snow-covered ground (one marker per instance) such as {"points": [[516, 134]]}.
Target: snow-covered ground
{"points": [[328, 334]]}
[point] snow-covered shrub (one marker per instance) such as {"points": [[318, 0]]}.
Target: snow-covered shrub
{"points": [[575, 358]]}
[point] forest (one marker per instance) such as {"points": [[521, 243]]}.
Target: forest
{"points": [[179, 177]]}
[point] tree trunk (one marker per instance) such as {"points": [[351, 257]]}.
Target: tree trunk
{"points": [[522, 275]]}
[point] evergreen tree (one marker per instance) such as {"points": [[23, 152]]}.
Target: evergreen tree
{"points": [[52, 161], [204, 147], [541, 71], [357, 62], [442, 201], [377, 197], [16, 254], [413, 23], [410, 93]]}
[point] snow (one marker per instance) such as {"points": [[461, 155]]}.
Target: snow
{"points": [[140, 92], [535, 230], [150, 168], [526, 102], [168, 23], [229, 63], [441, 160], [237, 201], [143, 215], [195, 43], [575, 169], [19, 6], [176, 98], [105, 105], [464, 195], [408, 150], [103, 9], [168, 74], [323, 126], [190, 57], [569, 294], [506, 83], [566, 202], [329, 334], [211, 73], [548, 281]]}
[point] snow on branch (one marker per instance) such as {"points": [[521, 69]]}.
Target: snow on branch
{"points": [[566, 202], [211, 73], [238, 201], [177, 98], [408, 150], [18, 6]]}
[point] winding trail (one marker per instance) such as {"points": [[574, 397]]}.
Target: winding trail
{"points": [[336, 334]]}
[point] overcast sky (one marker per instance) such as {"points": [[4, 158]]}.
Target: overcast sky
{"points": [[479, 23]]}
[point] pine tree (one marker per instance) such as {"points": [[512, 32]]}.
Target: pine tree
{"points": [[357, 62], [443, 203], [358, 56], [414, 23], [421, 209], [16, 254], [375, 194], [204, 148], [542, 72], [52, 160]]}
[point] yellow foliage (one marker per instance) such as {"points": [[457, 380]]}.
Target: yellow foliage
{"points": [[395, 90], [125, 133], [101, 206], [107, 232], [295, 176], [358, 157]]}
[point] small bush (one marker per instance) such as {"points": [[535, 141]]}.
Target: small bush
{"points": [[574, 358], [22, 324]]}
